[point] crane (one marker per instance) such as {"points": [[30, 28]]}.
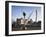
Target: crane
{"points": [[36, 16], [30, 16]]}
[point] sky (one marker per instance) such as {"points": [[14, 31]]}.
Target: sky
{"points": [[17, 12]]}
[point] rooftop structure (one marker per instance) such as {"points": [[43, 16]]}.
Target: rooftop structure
{"points": [[21, 21]]}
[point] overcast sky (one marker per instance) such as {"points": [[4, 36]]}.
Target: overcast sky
{"points": [[17, 12]]}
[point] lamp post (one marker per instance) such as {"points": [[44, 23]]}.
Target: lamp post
{"points": [[24, 14]]}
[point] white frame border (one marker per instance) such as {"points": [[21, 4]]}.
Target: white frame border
{"points": [[24, 32]]}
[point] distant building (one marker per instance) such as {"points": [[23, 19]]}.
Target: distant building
{"points": [[18, 21], [22, 21], [30, 22]]}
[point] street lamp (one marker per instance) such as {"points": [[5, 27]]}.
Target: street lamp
{"points": [[24, 14]]}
